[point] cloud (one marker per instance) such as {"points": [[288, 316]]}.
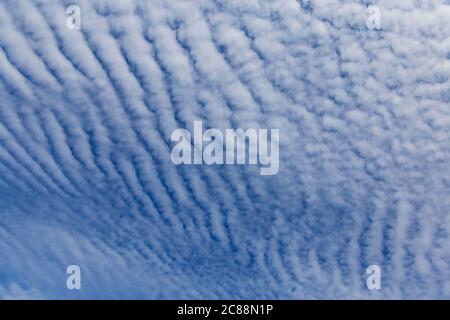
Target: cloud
{"points": [[85, 172]]}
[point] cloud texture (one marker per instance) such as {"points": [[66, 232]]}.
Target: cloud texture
{"points": [[86, 178]]}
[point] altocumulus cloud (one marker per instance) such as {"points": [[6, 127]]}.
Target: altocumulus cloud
{"points": [[85, 172]]}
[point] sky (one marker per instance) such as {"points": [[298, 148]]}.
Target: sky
{"points": [[86, 177]]}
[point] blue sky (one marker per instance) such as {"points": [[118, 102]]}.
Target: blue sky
{"points": [[86, 177]]}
